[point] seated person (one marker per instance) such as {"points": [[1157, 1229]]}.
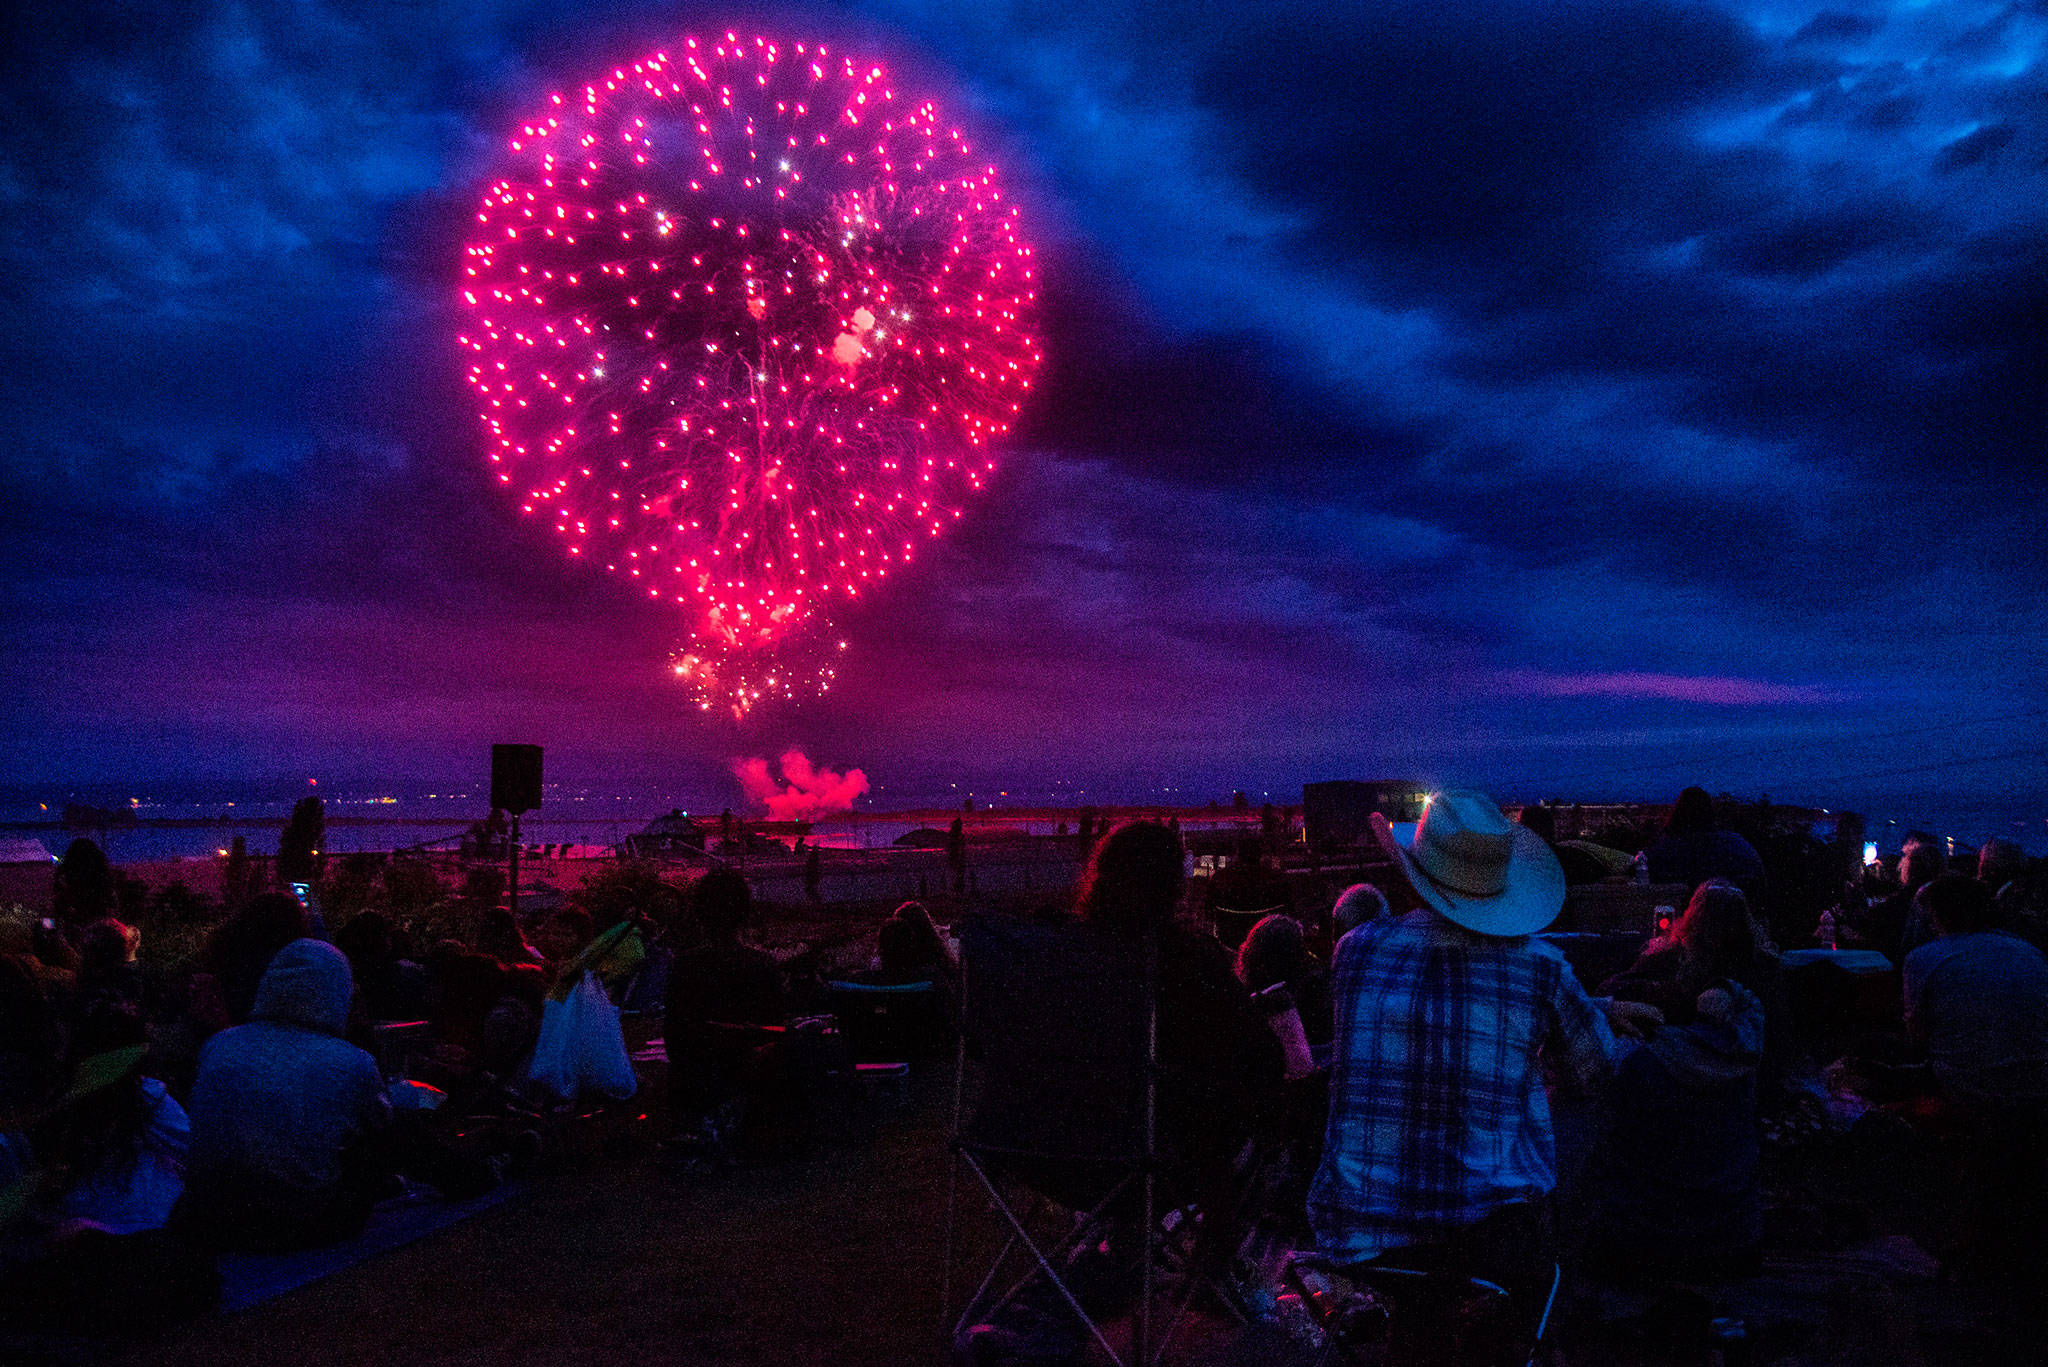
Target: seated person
{"points": [[900, 957], [498, 935], [465, 986], [1356, 905], [1674, 1184], [1977, 997], [1717, 939], [1219, 1066], [911, 948], [564, 935], [1286, 984], [108, 976], [1928, 863], [388, 987], [1440, 1142], [1274, 953], [2000, 862], [240, 948], [2019, 894], [511, 1027], [1244, 890], [899, 1027], [716, 990], [2022, 908], [1888, 925], [284, 1112], [91, 1256], [1694, 848], [1290, 991], [118, 1152]]}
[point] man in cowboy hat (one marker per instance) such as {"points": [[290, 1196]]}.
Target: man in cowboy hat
{"points": [[1439, 1135]]}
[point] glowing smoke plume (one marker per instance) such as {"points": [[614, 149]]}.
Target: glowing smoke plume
{"points": [[806, 791]]}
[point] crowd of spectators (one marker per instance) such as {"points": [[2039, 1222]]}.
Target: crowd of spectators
{"points": [[1424, 1148], [261, 1093], [266, 1091], [1403, 1050], [1432, 1052]]}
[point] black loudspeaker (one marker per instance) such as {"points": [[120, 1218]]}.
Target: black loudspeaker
{"points": [[515, 777]]}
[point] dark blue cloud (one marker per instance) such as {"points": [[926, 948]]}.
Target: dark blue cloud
{"points": [[1492, 145], [1489, 387]]}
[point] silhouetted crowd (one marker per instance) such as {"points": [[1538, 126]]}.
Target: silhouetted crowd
{"points": [[1417, 1070], [1423, 1078], [269, 1091], [254, 1102]]}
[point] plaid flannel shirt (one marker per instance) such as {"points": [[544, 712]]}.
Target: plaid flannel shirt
{"points": [[1438, 1114]]}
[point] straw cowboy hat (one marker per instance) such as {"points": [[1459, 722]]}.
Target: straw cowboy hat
{"points": [[1476, 867]]}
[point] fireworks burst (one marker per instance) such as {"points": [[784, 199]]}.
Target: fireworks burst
{"points": [[746, 324]]}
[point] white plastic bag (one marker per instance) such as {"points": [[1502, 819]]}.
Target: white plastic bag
{"points": [[581, 1048]]}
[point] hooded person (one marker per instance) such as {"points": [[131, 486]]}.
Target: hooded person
{"points": [[282, 1111]]}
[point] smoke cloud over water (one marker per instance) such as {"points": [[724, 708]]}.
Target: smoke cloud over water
{"points": [[805, 791]]}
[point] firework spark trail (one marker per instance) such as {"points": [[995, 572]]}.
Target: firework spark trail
{"points": [[746, 325]]}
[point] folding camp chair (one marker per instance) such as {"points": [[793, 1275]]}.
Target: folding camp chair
{"points": [[1440, 1302], [646, 991], [1424, 1314], [393, 1044], [1064, 1022], [888, 1022], [885, 1027]]}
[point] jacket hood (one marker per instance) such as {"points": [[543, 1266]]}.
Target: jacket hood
{"points": [[308, 984]]}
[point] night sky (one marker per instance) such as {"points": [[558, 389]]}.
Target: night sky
{"points": [[1573, 398]]}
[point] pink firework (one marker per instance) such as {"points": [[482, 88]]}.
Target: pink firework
{"points": [[746, 325]]}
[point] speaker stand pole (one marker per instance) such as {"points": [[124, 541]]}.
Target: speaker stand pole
{"points": [[512, 849]]}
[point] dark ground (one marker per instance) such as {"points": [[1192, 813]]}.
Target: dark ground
{"points": [[836, 1260]]}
